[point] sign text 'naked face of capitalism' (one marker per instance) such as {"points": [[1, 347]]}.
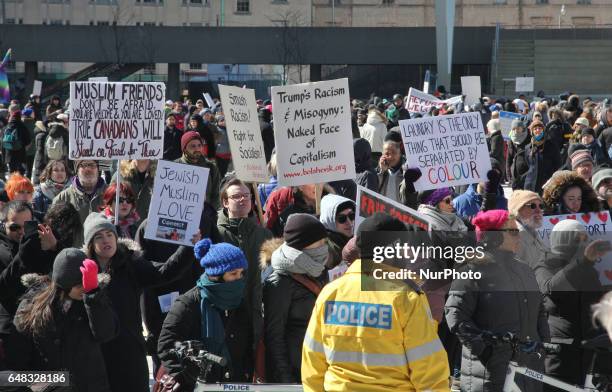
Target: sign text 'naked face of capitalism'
{"points": [[450, 150]]}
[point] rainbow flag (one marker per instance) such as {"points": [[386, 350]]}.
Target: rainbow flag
{"points": [[5, 92]]}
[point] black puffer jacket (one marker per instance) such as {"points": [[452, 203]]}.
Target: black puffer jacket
{"points": [[543, 161], [287, 308], [184, 322], [267, 132], [130, 272], [73, 340], [516, 164], [474, 306], [40, 158]]}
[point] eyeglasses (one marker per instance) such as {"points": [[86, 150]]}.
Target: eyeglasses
{"points": [[125, 200], [240, 196], [15, 227], [343, 217], [533, 206]]}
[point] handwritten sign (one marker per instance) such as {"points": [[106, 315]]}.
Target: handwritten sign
{"points": [[597, 226], [470, 87], [37, 89], [419, 102], [243, 133], [312, 130], [505, 120], [524, 85], [116, 120], [369, 203], [209, 100], [176, 206], [449, 150]]}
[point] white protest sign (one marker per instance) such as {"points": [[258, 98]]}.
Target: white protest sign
{"points": [[524, 85], [244, 133], [419, 102], [505, 120], [209, 100], [312, 131], [450, 150], [597, 226], [98, 79], [37, 89], [370, 202], [116, 120], [179, 191], [337, 272], [470, 87]]}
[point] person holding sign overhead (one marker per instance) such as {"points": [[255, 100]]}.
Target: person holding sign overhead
{"points": [[191, 146]]}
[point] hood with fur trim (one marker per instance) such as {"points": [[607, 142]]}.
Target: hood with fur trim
{"points": [[125, 248], [37, 282], [557, 186], [267, 248]]}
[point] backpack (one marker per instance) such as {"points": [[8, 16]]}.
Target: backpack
{"points": [[10, 140], [54, 148]]}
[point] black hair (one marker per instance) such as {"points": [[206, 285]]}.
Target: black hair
{"points": [[15, 207]]}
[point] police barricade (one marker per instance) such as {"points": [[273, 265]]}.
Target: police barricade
{"points": [[249, 387]]}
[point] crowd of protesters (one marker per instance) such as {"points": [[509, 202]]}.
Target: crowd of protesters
{"points": [[81, 288]]}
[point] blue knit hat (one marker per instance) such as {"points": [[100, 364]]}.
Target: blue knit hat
{"points": [[219, 258]]}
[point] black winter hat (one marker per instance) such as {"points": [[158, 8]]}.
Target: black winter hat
{"points": [[66, 268], [302, 230], [376, 222], [587, 131]]}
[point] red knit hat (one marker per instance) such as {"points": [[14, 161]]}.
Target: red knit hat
{"points": [[489, 221], [189, 136]]}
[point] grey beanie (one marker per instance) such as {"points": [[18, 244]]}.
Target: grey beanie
{"points": [[599, 176], [94, 223], [66, 268]]}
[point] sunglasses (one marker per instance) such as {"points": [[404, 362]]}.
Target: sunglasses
{"points": [[15, 227], [342, 218], [533, 206], [125, 200]]}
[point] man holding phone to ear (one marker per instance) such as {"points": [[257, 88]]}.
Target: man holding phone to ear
{"points": [[14, 217]]}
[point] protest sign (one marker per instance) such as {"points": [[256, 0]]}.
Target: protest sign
{"points": [[524, 85], [470, 87], [419, 102], [116, 120], [243, 133], [209, 100], [597, 226], [370, 202], [176, 206], [313, 133], [37, 89], [505, 120], [98, 79], [449, 150]]}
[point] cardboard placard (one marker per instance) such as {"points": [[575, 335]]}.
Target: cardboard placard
{"points": [[470, 87], [179, 193], [98, 79], [524, 84], [370, 202], [505, 120], [419, 102], [597, 226], [116, 120], [37, 89], [450, 150], [243, 133], [313, 132]]}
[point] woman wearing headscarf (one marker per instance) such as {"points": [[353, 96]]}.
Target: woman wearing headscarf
{"points": [[290, 292], [570, 284], [473, 306], [208, 313]]}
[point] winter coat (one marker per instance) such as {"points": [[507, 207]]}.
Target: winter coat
{"points": [[390, 181], [474, 306], [83, 203], [214, 180], [531, 248], [600, 156], [184, 322], [602, 123], [366, 176], [266, 189], [374, 130], [559, 184], [284, 202], [40, 157], [287, 308], [30, 125], [605, 140], [517, 165], [277, 201], [543, 161], [335, 240], [172, 143], [469, 203], [130, 272], [248, 235], [496, 146], [142, 185], [267, 134], [43, 198], [8, 248], [73, 341]]}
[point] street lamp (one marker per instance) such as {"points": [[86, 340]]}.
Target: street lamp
{"points": [[561, 13]]}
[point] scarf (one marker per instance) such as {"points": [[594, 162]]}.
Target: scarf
{"points": [[78, 186], [192, 159], [51, 188], [442, 221], [309, 261], [537, 141], [124, 223], [217, 297], [518, 139]]}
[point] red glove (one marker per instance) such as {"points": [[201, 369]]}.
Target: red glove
{"points": [[90, 275]]}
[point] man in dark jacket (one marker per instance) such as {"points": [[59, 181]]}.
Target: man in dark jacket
{"points": [[14, 216], [172, 139], [600, 157], [559, 131], [267, 132], [15, 141], [366, 176]]}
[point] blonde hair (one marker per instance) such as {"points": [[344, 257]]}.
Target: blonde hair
{"points": [[602, 312]]}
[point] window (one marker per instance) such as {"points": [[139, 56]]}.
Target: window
{"points": [[150, 24], [334, 2], [583, 21], [195, 66], [195, 24], [9, 20], [541, 1], [500, 2], [56, 22], [243, 6], [388, 2], [280, 2], [583, 2], [103, 23]]}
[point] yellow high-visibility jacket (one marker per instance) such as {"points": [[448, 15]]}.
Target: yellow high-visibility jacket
{"points": [[372, 340]]}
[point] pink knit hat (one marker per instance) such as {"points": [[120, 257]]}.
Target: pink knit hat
{"points": [[489, 221]]}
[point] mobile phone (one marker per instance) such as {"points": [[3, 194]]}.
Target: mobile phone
{"points": [[30, 228]]}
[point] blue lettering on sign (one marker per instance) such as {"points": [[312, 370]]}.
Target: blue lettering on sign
{"points": [[358, 314]]}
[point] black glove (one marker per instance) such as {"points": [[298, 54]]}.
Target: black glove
{"points": [[411, 175], [494, 177]]}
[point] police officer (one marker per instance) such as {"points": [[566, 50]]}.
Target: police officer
{"points": [[361, 340]]}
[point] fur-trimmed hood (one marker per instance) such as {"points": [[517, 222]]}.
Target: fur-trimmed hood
{"points": [[557, 186], [267, 248], [124, 247], [37, 281]]}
